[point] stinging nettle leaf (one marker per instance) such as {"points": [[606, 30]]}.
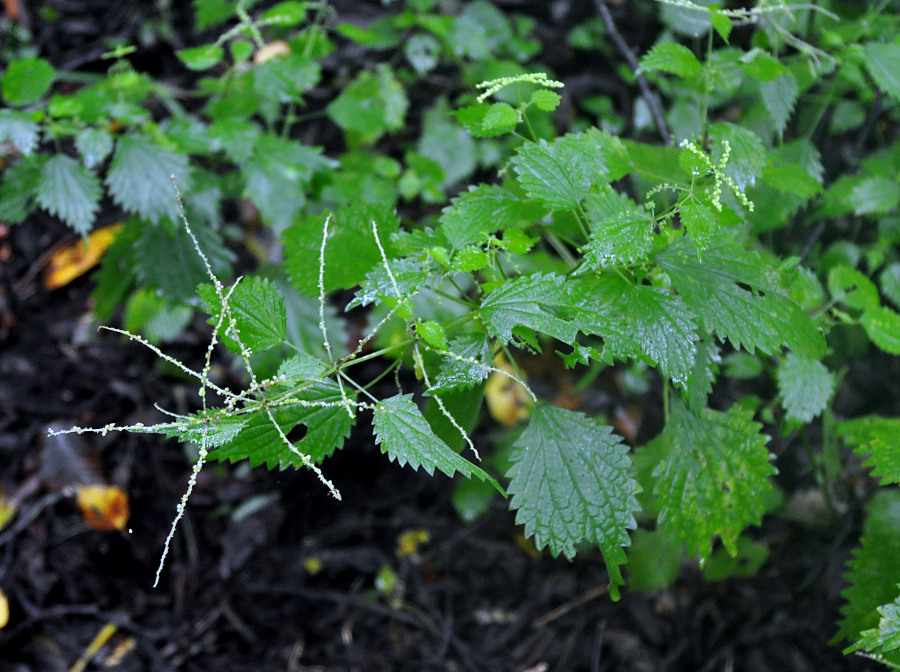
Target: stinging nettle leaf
{"points": [[875, 437], [258, 312], [559, 175], [620, 230], [805, 386], [469, 365], [883, 63], [571, 482], [19, 129], [477, 213], [713, 479], [538, 302], [882, 326], [94, 145], [26, 80], [69, 191], [674, 58], [884, 639], [405, 436]]}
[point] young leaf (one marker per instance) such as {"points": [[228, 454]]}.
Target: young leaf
{"points": [[559, 175], [883, 63], [319, 408], [69, 191], [671, 57], [258, 312], [886, 637], [714, 475], [872, 572], [748, 154], [780, 96], [571, 482], [408, 274], [882, 326], [405, 436], [19, 129], [202, 57], [620, 230], [732, 293], [94, 145], [805, 386], [217, 427], [470, 364], [875, 438], [499, 119], [700, 222], [27, 80], [476, 213], [139, 177], [539, 302]]}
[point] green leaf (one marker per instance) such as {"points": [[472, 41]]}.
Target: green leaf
{"points": [[791, 179], [762, 66], [289, 13], [654, 560], [217, 427], [408, 274], [872, 572], [882, 326], [545, 100], [559, 175], [277, 173], [477, 213], [748, 154], [27, 80], [852, 288], [620, 230], [805, 386], [886, 637], [158, 319], [499, 119], [17, 190], [883, 63], [94, 145], [571, 483], [722, 24], [139, 178], [875, 195], [874, 438], [714, 476], [732, 292], [202, 57], [69, 191], [670, 57], [890, 282], [432, 333], [373, 104], [302, 367], [20, 129], [285, 79], [350, 252], [539, 302], [447, 143], [258, 312], [319, 409], [469, 365], [407, 438], [701, 223], [780, 96]]}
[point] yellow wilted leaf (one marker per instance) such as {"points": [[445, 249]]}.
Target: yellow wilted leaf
{"points": [[408, 543], [507, 400], [73, 261], [7, 510], [4, 610], [104, 507]]}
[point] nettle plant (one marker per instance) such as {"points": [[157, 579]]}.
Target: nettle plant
{"points": [[558, 256]]}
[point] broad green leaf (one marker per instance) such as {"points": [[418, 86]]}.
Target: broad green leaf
{"points": [[670, 57], [701, 223], [477, 213], [872, 572], [468, 364], [27, 80], [805, 386], [748, 154], [165, 258], [18, 186], [713, 479], [875, 195], [202, 57], [447, 143], [285, 79], [432, 333], [499, 119], [545, 100], [886, 637], [288, 13], [302, 367], [373, 104], [538, 302], [890, 282], [350, 251], [407, 277], [236, 137], [791, 179], [878, 439], [883, 63], [277, 173], [319, 409], [620, 230], [882, 326], [731, 291], [155, 317], [852, 288], [559, 175], [571, 482], [762, 66], [780, 97], [139, 178], [94, 145], [20, 129], [654, 560], [215, 426], [406, 437], [258, 312], [69, 191]]}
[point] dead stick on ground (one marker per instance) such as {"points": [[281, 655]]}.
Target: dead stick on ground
{"points": [[632, 61]]}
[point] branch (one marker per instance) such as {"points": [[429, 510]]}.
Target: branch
{"points": [[632, 61]]}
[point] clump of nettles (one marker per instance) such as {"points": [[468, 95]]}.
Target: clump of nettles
{"points": [[213, 427]]}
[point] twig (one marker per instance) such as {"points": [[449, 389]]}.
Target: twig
{"points": [[632, 61]]}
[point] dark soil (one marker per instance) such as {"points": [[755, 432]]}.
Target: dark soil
{"points": [[292, 585]]}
